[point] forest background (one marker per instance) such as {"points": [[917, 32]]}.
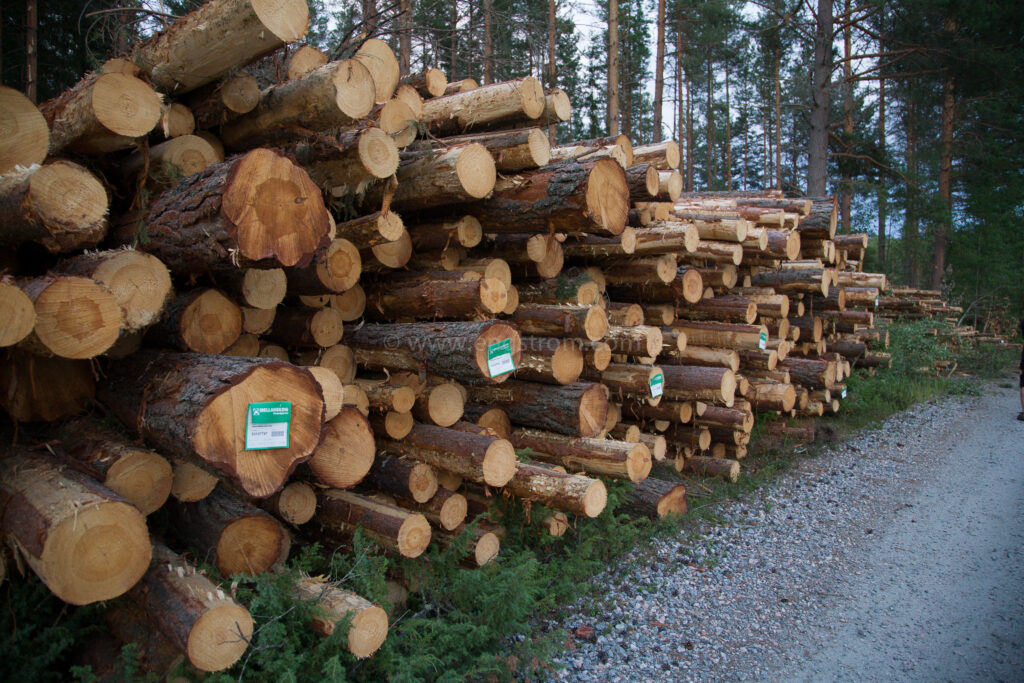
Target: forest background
{"points": [[911, 111]]}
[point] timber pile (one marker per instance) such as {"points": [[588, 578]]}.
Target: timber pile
{"points": [[318, 323]]}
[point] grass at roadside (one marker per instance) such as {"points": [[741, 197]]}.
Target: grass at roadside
{"points": [[470, 623]]}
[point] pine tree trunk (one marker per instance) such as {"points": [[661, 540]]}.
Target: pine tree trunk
{"points": [[578, 409], [598, 456], [473, 456], [396, 529]]}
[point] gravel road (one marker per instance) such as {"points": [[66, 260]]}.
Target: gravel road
{"points": [[896, 555]]}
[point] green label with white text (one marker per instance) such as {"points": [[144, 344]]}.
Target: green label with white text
{"points": [[762, 341], [657, 385], [266, 425], [499, 358]]}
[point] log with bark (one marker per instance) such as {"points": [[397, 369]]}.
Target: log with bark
{"points": [[224, 101], [764, 395], [437, 295], [686, 382], [82, 540], [256, 209], [238, 537], [445, 509], [586, 322], [437, 401], [578, 409], [513, 150], [138, 475], [59, 205], [428, 83], [217, 37], [347, 162], [490, 107], [342, 512], [302, 326], [482, 542], [102, 113], [295, 504], [569, 197], [656, 498], [687, 287], [405, 477], [464, 231], [197, 616], [335, 96], [598, 456], [721, 335], [367, 622], [192, 406], [785, 281], [718, 467], [453, 175], [573, 493], [452, 349], [664, 156], [550, 360], [190, 482], [474, 456], [203, 320]]}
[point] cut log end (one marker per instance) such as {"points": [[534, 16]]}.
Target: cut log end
{"points": [[77, 317], [264, 287], [17, 312], [286, 19], [221, 426], [595, 498], [70, 203], [191, 483], [219, 637], [378, 154], [347, 451], [251, 545], [445, 404], [141, 477], [500, 463], [140, 283], [413, 536], [125, 105], [276, 209], [296, 504], [453, 511], [26, 137], [607, 196], [487, 547], [210, 323], [476, 170]]}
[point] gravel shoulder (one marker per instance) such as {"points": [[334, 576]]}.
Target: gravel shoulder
{"points": [[895, 555]]}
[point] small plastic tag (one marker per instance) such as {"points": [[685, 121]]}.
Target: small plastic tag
{"points": [[657, 385], [499, 358], [843, 394], [266, 425], [762, 341]]}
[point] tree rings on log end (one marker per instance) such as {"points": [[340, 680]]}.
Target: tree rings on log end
{"points": [[347, 451], [220, 427], [276, 209], [125, 105], [286, 19], [607, 196], [219, 637], [413, 536], [252, 545], [500, 463], [17, 312], [476, 170], [77, 317], [593, 409], [26, 137], [264, 287]]}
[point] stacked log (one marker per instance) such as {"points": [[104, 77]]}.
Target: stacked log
{"points": [[338, 327]]}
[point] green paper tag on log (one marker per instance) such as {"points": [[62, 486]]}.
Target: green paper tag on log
{"points": [[762, 341], [266, 425], [844, 392], [657, 385], [499, 358]]}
